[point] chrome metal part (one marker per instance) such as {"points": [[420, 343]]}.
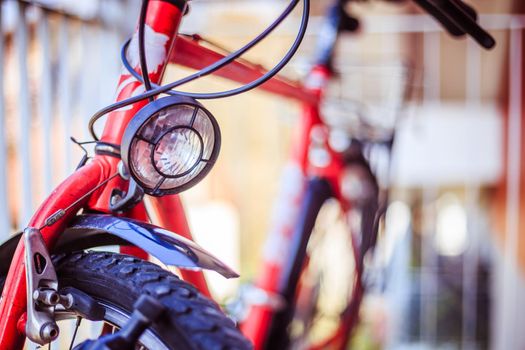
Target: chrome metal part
{"points": [[59, 214], [254, 295], [123, 172], [107, 149], [46, 296], [42, 284], [169, 247], [122, 201], [251, 295]]}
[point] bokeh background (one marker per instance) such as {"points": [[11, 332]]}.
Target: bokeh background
{"points": [[451, 257]]}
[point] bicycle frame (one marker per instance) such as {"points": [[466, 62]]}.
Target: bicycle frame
{"points": [[164, 18], [285, 253], [279, 275], [274, 271]]}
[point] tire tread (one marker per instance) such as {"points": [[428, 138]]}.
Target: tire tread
{"points": [[192, 319]]}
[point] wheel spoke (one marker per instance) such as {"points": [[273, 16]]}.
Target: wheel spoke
{"points": [[79, 319]]}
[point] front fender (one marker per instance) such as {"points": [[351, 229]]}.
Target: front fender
{"points": [[95, 230]]}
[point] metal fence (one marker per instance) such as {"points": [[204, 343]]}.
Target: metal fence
{"points": [[56, 69]]}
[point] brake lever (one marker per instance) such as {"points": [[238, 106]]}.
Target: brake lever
{"points": [[442, 18], [458, 19], [348, 23], [466, 8], [458, 12]]}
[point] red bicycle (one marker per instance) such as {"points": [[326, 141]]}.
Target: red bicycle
{"points": [[284, 307], [155, 148]]}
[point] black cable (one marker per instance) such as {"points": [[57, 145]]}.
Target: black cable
{"points": [[261, 80], [215, 66], [142, 50]]}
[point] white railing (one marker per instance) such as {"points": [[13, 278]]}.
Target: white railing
{"points": [[56, 70]]}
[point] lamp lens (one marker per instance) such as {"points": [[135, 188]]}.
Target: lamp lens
{"points": [[173, 147], [178, 152]]}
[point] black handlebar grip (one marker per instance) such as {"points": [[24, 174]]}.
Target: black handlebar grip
{"points": [[466, 8], [431, 7], [458, 19], [348, 23], [459, 13], [336, 20], [344, 21]]}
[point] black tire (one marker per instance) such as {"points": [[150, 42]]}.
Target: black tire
{"points": [[192, 322], [309, 316], [312, 324]]}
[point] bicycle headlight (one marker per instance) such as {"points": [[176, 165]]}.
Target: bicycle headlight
{"points": [[170, 145]]}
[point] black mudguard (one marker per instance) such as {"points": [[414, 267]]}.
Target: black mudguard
{"points": [[96, 230]]}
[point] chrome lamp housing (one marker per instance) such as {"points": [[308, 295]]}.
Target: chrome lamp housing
{"points": [[170, 145]]}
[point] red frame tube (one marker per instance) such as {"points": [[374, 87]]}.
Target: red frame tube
{"points": [[186, 50], [13, 303], [164, 19], [257, 324]]}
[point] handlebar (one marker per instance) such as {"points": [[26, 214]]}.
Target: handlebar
{"points": [[336, 20], [458, 19]]}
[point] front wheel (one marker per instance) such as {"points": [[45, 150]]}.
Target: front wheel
{"points": [[116, 281]]}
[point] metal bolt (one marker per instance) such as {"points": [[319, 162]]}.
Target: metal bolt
{"points": [[123, 172], [47, 297], [49, 332], [114, 199], [66, 300]]}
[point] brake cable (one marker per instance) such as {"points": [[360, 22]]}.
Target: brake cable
{"points": [[168, 88]]}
